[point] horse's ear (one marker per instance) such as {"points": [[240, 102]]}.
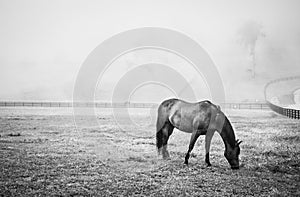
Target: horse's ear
{"points": [[238, 142]]}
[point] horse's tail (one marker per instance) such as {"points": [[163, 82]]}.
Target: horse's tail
{"points": [[159, 140], [159, 126], [163, 119]]}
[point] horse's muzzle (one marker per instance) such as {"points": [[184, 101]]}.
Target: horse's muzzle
{"points": [[235, 167]]}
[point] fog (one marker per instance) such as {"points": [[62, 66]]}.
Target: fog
{"points": [[44, 43]]}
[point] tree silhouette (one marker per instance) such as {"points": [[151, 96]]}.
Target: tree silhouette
{"points": [[248, 34]]}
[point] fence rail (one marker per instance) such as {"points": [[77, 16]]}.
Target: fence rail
{"points": [[74, 104], [291, 113], [261, 106]]}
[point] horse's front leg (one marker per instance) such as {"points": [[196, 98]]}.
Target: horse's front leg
{"points": [[193, 140], [208, 138]]}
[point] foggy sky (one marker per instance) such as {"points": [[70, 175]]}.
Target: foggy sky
{"points": [[44, 43]]}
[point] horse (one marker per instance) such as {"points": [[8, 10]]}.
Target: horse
{"points": [[201, 118]]}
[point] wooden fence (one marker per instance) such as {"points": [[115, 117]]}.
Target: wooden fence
{"points": [[260, 106], [291, 113], [74, 104]]}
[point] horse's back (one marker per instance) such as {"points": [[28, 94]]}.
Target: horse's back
{"points": [[185, 116], [188, 117]]}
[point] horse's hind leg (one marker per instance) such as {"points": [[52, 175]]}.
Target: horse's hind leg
{"points": [[164, 134]]}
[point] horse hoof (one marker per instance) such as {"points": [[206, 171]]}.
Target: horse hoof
{"points": [[208, 165], [186, 163]]}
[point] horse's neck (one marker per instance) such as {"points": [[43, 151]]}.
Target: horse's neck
{"points": [[227, 134]]}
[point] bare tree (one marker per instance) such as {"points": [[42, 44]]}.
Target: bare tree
{"points": [[248, 34]]}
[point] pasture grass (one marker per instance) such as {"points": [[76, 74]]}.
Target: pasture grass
{"points": [[52, 157]]}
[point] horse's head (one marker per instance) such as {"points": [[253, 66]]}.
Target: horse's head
{"points": [[232, 155]]}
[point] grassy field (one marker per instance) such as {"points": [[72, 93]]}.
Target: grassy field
{"points": [[44, 153]]}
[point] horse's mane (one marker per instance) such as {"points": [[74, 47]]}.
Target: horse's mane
{"points": [[228, 132]]}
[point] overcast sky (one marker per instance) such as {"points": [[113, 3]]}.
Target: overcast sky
{"points": [[44, 43]]}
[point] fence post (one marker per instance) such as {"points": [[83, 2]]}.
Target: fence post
{"points": [[294, 113]]}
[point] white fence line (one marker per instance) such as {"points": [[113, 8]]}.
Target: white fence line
{"points": [[261, 106]]}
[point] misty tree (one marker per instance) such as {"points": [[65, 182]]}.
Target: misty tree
{"points": [[249, 33]]}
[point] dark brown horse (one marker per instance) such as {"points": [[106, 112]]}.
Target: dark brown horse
{"points": [[202, 118]]}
